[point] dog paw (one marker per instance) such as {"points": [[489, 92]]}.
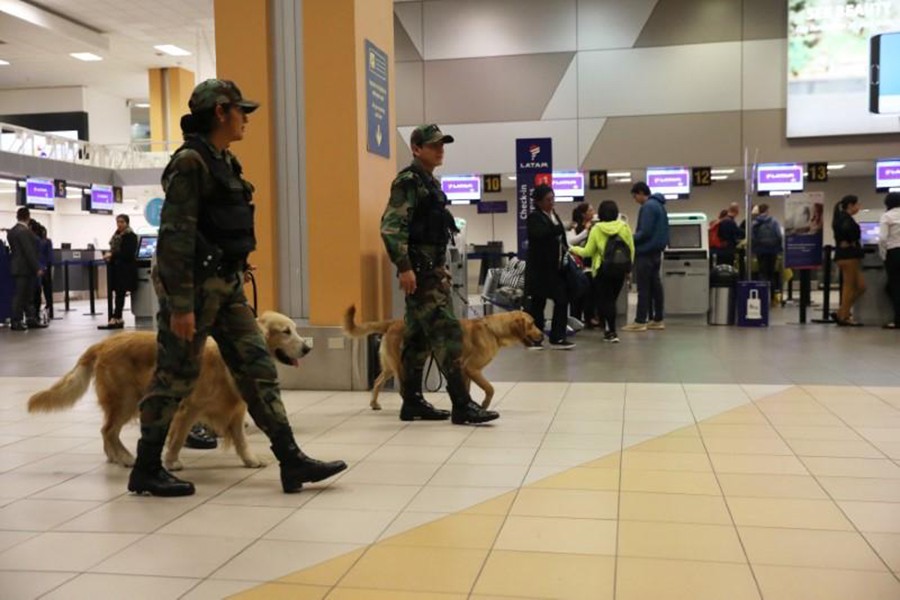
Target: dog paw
{"points": [[485, 404], [174, 465], [128, 461], [252, 462], [375, 406]]}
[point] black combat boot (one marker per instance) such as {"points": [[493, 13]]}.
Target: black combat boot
{"points": [[465, 410], [149, 476], [297, 468], [201, 438], [414, 404]]}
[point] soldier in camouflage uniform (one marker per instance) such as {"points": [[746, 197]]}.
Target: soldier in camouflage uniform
{"points": [[205, 236], [416, 228]]}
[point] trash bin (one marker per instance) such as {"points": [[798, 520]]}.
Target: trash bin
{"points": [[722, 280], [753, 303]]}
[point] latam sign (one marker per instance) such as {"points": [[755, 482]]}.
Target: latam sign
{"points": [[669, 181], [779, 178], [887, 174], [461, 188]]}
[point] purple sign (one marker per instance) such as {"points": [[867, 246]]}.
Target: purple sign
{"points": [[102, 199], [669, 181], [39, 193], [534, 165], [461, 188], [486, 208], [887, 174], [779, 178], [568, 185]]}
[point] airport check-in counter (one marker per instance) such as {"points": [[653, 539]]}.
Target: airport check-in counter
{"points": [[144, 303], [79, 277], [685, 265]]}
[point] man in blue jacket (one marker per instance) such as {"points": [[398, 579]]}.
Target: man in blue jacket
{"points": [[650, 239]]}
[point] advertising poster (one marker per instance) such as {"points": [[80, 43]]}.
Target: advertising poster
{"points": [[803, 229], [378, 137], [534, 166], [843, 59]]}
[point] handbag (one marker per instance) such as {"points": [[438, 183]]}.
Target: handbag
{"points": [[577, 282]]}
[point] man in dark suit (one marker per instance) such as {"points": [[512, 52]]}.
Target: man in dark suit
{"points": [[26, 269], [544, 277]]}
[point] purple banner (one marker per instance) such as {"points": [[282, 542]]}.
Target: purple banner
{"points": [[568, 184], [534, 165], [486, 208], [461, 188], [887, 174], [102, 199], [669, 180], [803, 233], [779, 178]]}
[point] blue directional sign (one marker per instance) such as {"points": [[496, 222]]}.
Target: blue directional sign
{"points": [[378, 140]]}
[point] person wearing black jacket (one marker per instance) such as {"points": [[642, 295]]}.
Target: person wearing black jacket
{"points": [[122, 260], [848, 254], [730, 234], [26, 270], [544, 276]]}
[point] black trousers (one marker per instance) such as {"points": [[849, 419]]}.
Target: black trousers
{"points": [[606, 292], [651, 299], [43, 289], [23, 300], [767, 272], [537, 302], [118, 302], [584, 308], [892, 267]]}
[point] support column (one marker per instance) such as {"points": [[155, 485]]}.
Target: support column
{"points": [[347, 187], [170, 90]]}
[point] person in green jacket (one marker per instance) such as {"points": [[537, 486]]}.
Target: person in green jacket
{"points": [[610, 246]]}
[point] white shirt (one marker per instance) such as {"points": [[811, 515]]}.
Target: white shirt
{"points": [[889, 232]]}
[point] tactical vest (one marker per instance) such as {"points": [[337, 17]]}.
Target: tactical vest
{"points": [[431, 223], [225, 219]]}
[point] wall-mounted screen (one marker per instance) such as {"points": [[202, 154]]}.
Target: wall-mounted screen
{"points": [[461, 188], [671, 182], [568, 185], [688, 235], [779, 178], [102, 199], [887, 175], [843, 67], [39, 193]]}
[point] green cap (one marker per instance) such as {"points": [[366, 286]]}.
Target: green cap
{"points": [[213, 92], [429, 134]]}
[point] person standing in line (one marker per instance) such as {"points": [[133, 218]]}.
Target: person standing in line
{"points": [[848, 254], [206, 234], [768, 244], [610, 248], [889, 249], [583, 309], [650, 239], [26, 270], [730, 235], [45, 258], [416, 228], [544, 276], [122, 261]]}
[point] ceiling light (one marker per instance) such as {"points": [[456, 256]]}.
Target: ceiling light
{"points": [[718, 177], [85, 56], [172, 50], [142, 105], [837, 167], [619, 174], [511, 177], [722, 171], [3, 62], [628, 180]]}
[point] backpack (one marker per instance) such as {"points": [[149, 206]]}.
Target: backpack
{"points": [[714, 240], [767, 235], [616, 257]]}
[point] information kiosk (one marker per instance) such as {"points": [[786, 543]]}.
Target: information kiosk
{"points": [[144, 303], [685, 265]]}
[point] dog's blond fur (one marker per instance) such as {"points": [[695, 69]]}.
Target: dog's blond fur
{"points": [[121, 367], [482, 340]]}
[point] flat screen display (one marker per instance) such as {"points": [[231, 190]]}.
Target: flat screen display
{"points": [[146, 247], [669, 181], [887, 175], [39, 193], [461, 187], [869, 230], [102, 199], [778, 178], [843, 59], [568, 185], [689, 235]]}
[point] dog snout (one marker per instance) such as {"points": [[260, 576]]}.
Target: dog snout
{"points": [[305, 349]]}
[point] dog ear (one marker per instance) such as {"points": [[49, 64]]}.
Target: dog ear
{"points": [[520, 327]]}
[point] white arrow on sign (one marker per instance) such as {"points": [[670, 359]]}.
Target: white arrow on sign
{"points": [[378, 136]]}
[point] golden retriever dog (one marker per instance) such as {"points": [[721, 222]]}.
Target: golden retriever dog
{"points": [[482, 340], [121, 367]]}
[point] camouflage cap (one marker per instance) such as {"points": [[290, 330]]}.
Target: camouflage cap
{"points": [[212, 92], [429, 134]]}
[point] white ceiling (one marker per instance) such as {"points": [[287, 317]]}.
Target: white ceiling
{"points": [[39, 54]]}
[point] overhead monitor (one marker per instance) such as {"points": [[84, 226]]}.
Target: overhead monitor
{"points": [[869, 231], [568, 185], [146, 247], [779, 178], [102, 199], [461, 188], [671, 182], [39, 193], [887, 175]]}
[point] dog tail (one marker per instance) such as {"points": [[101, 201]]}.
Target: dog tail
{"points": [[363, 329], [67, 391]]}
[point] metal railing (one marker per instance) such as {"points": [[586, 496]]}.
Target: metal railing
{"points": [[135, 155]]}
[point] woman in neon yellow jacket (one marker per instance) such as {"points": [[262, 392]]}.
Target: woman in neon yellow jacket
{"points": [[610, 277]]}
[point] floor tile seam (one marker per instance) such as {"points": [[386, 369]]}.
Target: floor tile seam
{"points": [[61, 584], [857, 386], [836, 504], [615, 586], [852, 428], [734, 524], [516, 493]]}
